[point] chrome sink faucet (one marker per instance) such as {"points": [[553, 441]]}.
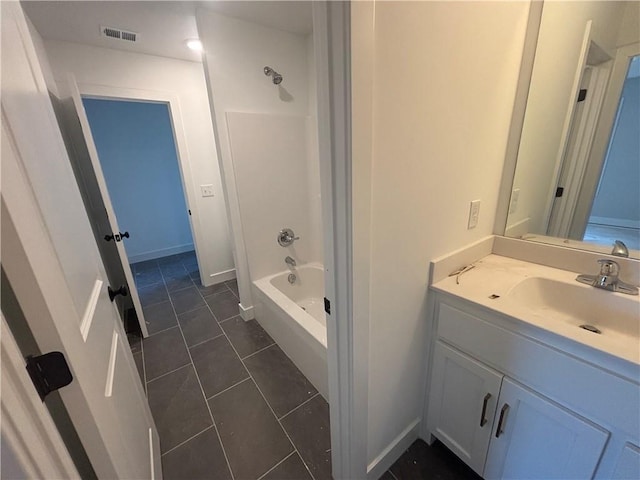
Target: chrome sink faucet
{"points": [[608, 278]]}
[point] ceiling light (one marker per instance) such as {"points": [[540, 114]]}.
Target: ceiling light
{"points": [[194, 44]]}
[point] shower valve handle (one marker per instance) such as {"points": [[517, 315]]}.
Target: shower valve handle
{"points": [[286, 237]]}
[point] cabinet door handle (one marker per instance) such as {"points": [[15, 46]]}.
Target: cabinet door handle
{"points": [[483, 416], [504, 411]]}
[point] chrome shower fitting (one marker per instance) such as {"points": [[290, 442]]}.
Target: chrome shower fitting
{"points": [[286, 237], [270, 72], [290, 261]]}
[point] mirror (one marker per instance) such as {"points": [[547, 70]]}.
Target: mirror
{"points": [[577, 175]]}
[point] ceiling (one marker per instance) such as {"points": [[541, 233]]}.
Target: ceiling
{"points": [[162, 26]]}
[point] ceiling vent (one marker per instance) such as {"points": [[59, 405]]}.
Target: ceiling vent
{"points": [[118, 34]]}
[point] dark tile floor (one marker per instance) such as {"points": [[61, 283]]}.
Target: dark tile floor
{"points": [[424, 462], [227, 402]]}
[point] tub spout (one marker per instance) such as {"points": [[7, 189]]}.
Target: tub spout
{"points": [[290, 261]]}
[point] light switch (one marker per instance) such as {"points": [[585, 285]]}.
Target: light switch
{"points": [[207, 190], [474, 213]]}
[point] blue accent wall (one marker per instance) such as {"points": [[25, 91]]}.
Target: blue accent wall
{"points": [[618, 199], [138, 156]]}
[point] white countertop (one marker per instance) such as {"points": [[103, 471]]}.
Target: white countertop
{"points": [[498, 275]]}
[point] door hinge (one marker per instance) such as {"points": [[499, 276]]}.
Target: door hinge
{"points": [[559, 192], [327, 306], [582, 95], [48, 372], [189, 211]]}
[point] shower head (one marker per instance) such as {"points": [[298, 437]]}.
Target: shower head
{"points": [[270, 72]]}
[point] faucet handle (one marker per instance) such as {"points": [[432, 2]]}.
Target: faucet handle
{"points": [[620, 249], [609, 267]]}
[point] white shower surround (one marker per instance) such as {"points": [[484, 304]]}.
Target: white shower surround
{"points": [[293, 315]]}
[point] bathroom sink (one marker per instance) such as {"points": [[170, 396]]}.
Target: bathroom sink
{"points": [[579, 305]]}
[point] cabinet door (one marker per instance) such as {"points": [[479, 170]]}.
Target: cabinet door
{"points": [[462, 404], [536, 438]]}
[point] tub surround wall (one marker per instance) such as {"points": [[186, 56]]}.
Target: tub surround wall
{"points": [[115, 68], [236, 53], [271, 170], [442, 104]]}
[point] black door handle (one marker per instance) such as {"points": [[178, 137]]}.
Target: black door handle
{"points": [[117, 237], [114, 293]]}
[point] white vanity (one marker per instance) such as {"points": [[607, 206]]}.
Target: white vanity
{"points": [[517, 389]]}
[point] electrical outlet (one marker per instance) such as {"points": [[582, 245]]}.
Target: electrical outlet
{"points": [[474, 213], [207, 190], [513, 204]]}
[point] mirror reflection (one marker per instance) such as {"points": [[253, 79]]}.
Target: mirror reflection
{"points": [[577, 179]]}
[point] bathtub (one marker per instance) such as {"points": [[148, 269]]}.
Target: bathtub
{"points": [[293, 314]]}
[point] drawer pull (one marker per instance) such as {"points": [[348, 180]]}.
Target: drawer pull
{"points": [[483, 416], [504, 411]]}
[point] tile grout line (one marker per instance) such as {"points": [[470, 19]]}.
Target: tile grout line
{"points": [[204, 341], [257, 351], [168, 373], [278, 464], [229, 388], [162, 331], [213, 421], [295, 448], [303, 403], [187, 440]]}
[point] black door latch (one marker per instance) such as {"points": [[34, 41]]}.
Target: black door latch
{"points": [[114, 293], [117, 237], [48, 372]]}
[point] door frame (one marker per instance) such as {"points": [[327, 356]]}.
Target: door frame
{"points": [[576, 154], [105, 92], [347, 353], [604, 131], [29, 435]]}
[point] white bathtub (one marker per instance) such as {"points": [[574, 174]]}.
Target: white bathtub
{"points": [[293, 314]]}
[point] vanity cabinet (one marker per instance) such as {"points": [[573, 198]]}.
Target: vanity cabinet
{"points": [[511, 406], [463, 399], [504, 430]]}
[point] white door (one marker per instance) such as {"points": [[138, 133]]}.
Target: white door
{"points": [[52, 262], [93, 162], [462, 403], [535, 438]]}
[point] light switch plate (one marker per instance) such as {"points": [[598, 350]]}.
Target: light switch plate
{"points": [[513, 204], [207, 190], [474, 213]]}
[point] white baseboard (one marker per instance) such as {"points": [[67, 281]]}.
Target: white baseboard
{"points": [[615, 222], [163, 252], [393, 451], [247, 313], [221, 277]]}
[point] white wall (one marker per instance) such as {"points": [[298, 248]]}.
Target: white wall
{"points": [[140, 166], [114, 68], [551, 95], [236, 53], [444, 79], [269, 158]]}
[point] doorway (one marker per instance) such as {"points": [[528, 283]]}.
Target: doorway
{"points": [[139, 160], [615, 213]]}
